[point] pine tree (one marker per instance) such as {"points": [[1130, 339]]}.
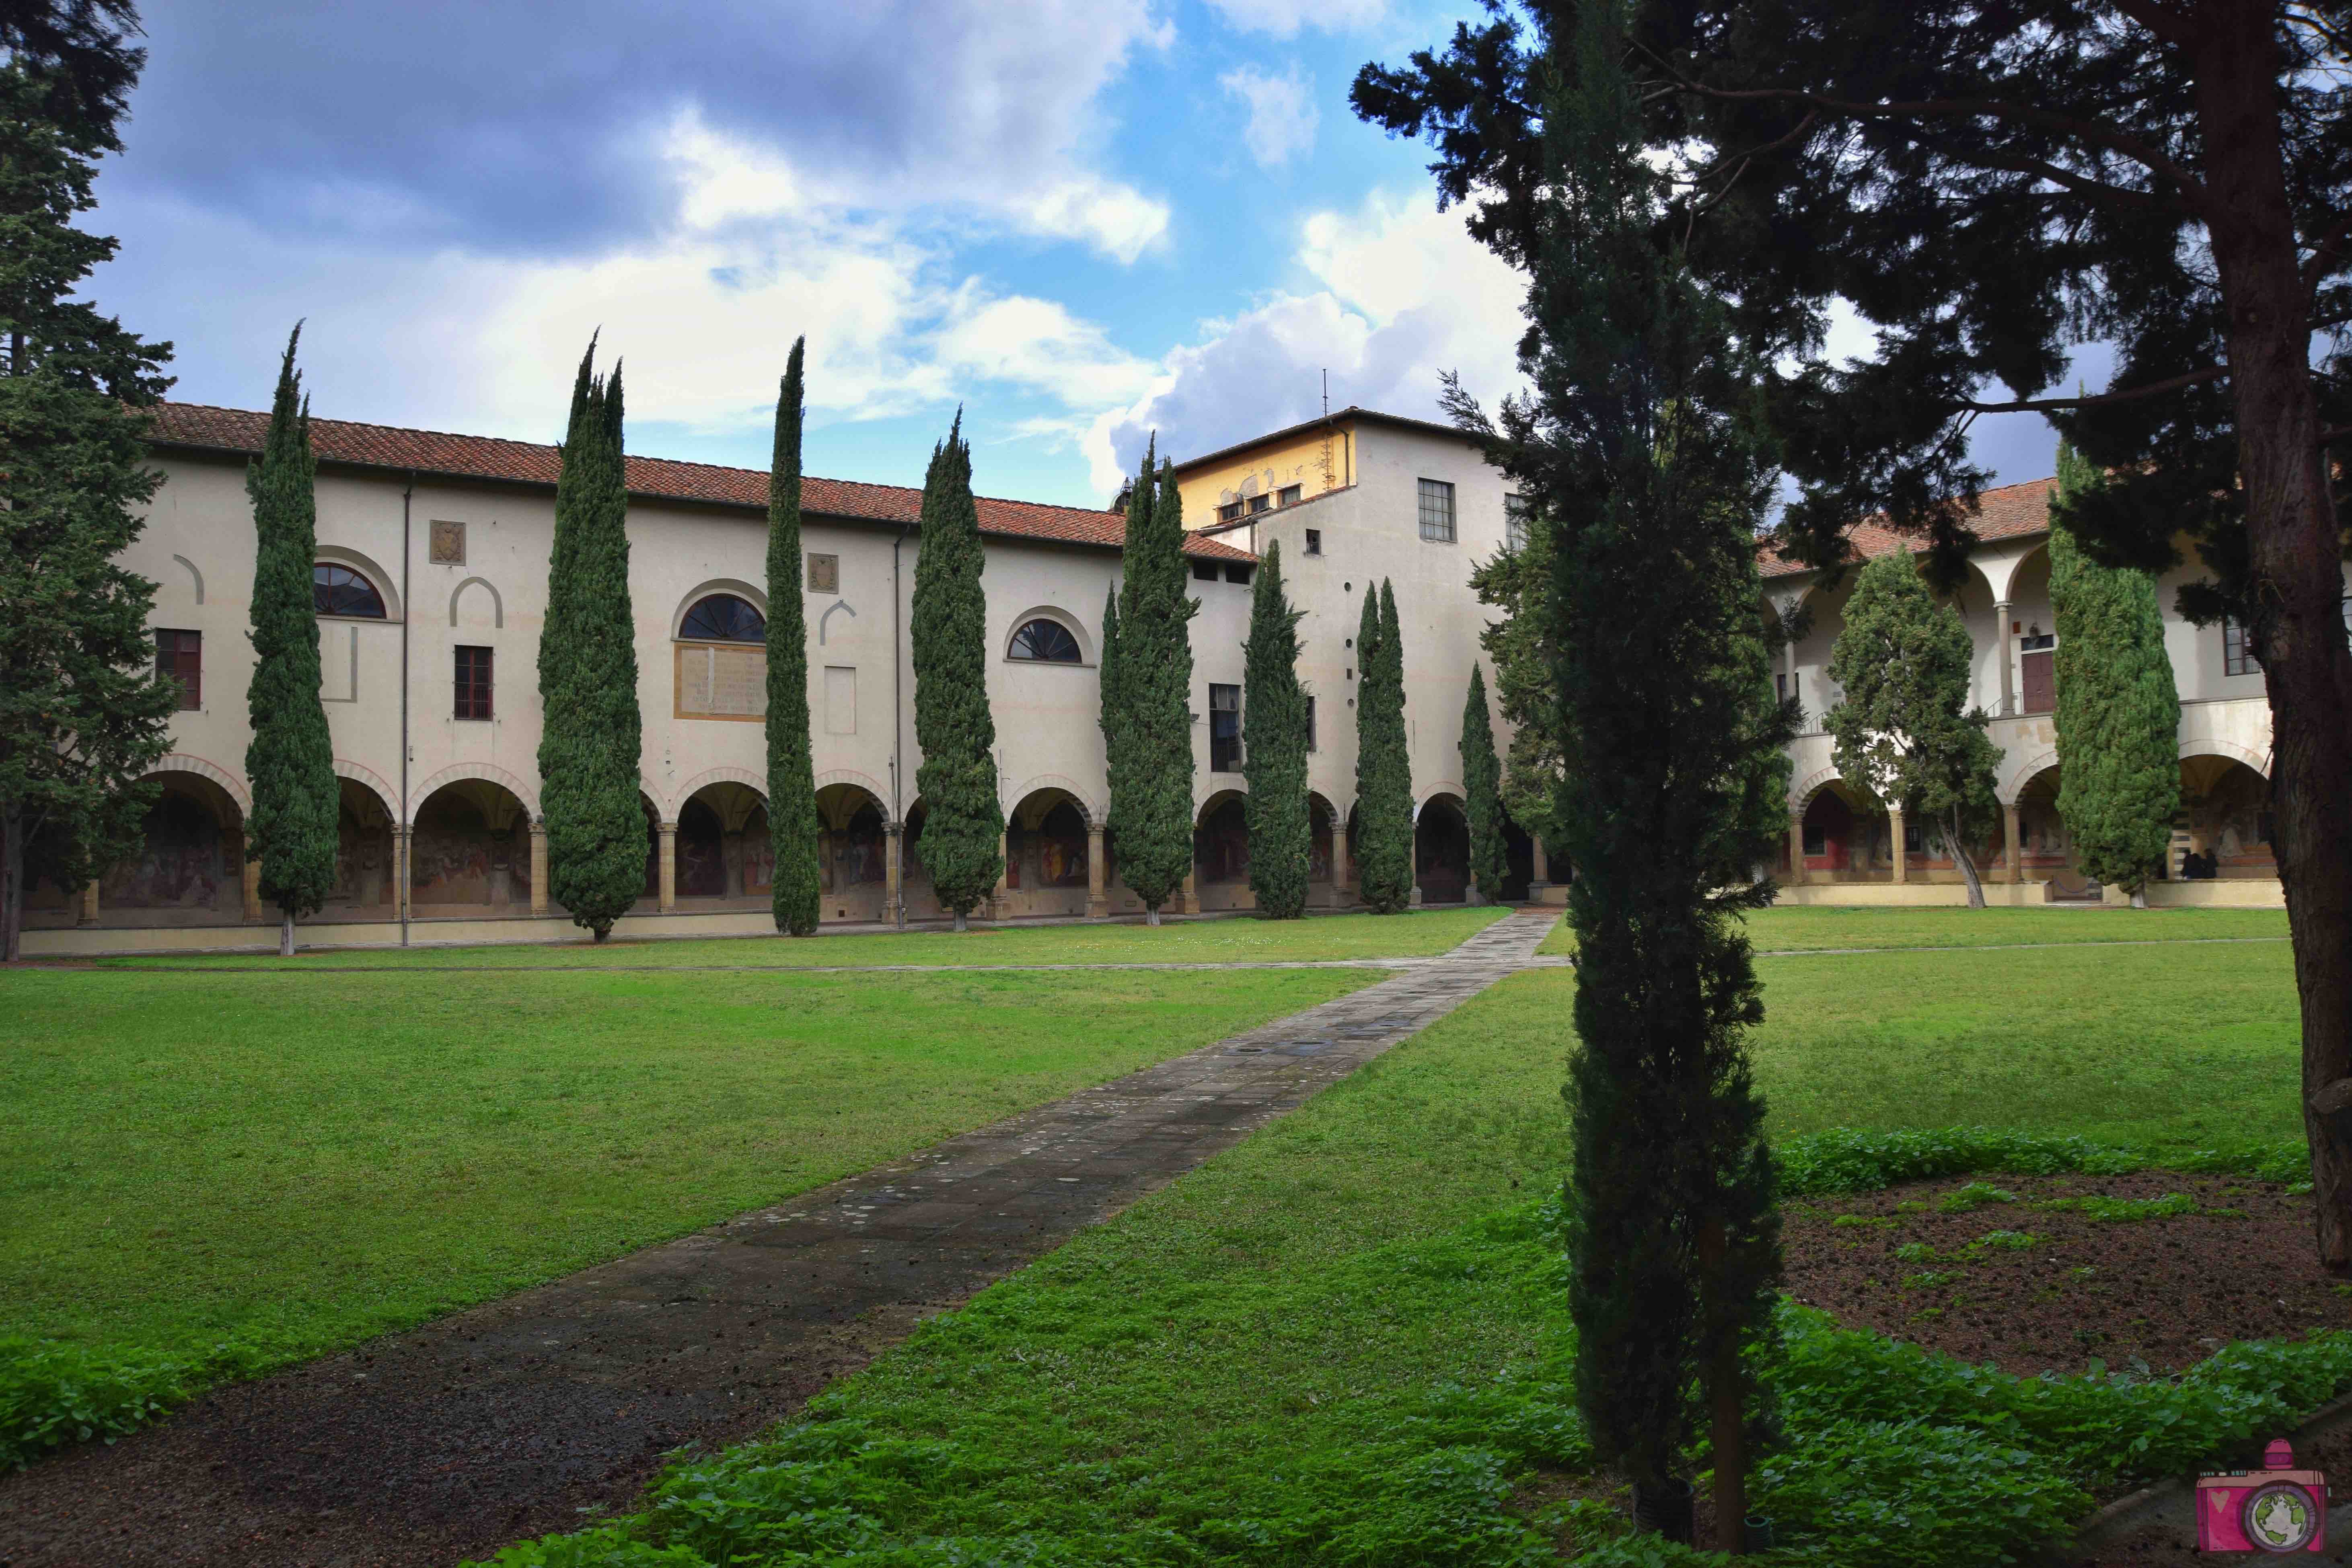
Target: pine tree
{"points": [[1384, 857], [1113, 715], [82, 713], [290, 764], [1518, 582], [1904, 729], [1274, 748], [2119, 711], [791, 773], [1482, 782], [964, 834], [590, 748], [1152, 761]]}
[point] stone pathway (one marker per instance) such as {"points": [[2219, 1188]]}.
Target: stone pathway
{"points": [[519, 1416]]}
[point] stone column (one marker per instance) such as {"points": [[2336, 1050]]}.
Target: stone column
{"points": [[89, 913], [1187, 900], [668, 883], [1000, 899], [2011, 852], [1902, 856], [894, 871], [1797, 849], [538, 866], [2001, 642], [403, 879], [1098, 890]]}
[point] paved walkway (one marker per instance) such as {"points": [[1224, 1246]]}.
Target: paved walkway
{"points": [[517, 1418]]}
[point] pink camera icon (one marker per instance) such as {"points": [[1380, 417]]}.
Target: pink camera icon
{"points": [[2277, 1509]]}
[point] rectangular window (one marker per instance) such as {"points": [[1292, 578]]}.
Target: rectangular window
{"points": [[823, 573], [1259, 503], [1817, 837], [1313, 542], [1310, 723], [1437, 511], [2235, 659], [473, 683], [1230, 513], [1780, 687], [1204, 571], [180, 656], [1224, 728], [1514, 522], [1286, 496], [1238, 571]]}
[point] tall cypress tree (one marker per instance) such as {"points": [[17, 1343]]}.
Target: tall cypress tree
{"points": [[2119, 711], [1151, 763], [963, 833], [590, 749], [1112, 717], [290, 761], [1482, 782], [792, 774], [1384, 768], [1274, 748], [82, 713]]}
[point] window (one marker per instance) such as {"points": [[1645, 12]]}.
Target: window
{"points": [[1310, 723], [1783, 685], [448, 544], [1204, 571], [2236, 659], [2037, 667], [179, 656], [1230, 513], [473, 683], [723, 618], [1046, 642], [1817, 837], [1313, 542], [1437, 511], [1911, 843], [1224, 728], [340, 591], [1238, 571], [1259, 503], [1514, 522], [1286, 496], [823, 573]]}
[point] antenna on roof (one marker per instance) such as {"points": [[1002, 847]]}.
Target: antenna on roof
{"points": [[1328, 480], [1327, 392]]}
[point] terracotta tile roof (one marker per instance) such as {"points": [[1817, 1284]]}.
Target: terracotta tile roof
{"points": [[2013, 511], [196, 426]]}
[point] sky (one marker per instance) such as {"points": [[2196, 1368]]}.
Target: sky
{"points": [[1082, 221]]}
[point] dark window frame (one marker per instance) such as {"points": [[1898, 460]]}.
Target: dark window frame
{"points": [[713, 630], [183, 658], [1313, 542], [1289, 495], [1048, 647], [473, 671], [345, 593], [1204, 570], [1436, 510], [1225, 728], [1514, 522]]}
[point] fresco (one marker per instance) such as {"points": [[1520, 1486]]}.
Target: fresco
{"points": [[1221, 845], [701, 853], [455, 857], [183, 863]]}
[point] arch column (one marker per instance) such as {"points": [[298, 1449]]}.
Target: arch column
{"points": [[894, 872], [2011, 855], [88, 914], [1902, 855], [1186, 899], [668, 882], [538, 866], [1000, 897], [1098, 895], [403, 880], [2000, 641], [1796, 847]]}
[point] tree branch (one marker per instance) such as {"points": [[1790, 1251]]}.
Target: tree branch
{"points": [[2131, 394], [2160, 19], [2097, 191], [2331, 244]]}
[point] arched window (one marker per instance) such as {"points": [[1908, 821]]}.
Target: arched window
{"points": [[1048, 642], [340, 591], [723, 618]]}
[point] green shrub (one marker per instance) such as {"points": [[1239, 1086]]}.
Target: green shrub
{"points": [[1972, 1197], [53, 1394], [1846, 1161], [2112, 1210]]}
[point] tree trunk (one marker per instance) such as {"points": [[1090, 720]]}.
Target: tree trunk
{"points": [[960, 920], [12, 886], [599, 934], [1151, 916], [285, 933], [1727, 1437], [1968, 867], [2295, 580]]}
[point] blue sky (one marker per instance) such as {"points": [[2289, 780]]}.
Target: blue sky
{"points": [[1081, 220]]}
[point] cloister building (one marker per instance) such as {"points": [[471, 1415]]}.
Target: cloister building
{"points": [[430, 588]]}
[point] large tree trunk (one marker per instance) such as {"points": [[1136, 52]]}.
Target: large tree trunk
{"points": [[960, 920], [286, 933], [2296, 583], [12, 886], [1960, 857], [1151, 916], [1727, 1390]]}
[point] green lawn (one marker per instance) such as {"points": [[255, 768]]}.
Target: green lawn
{"points": [[1794, 928], [301, 1161], [1342, 1341], [1418, 933]]}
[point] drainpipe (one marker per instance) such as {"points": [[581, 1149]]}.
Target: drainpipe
{"points": [[408, 614], [897, 731]]}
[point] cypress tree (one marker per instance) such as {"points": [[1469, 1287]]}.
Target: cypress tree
{"points": [[1482, 782], [1274, 748], [963, 835], [82, 713], [1904, 729], [1384, 857], [590, 750], [1151, 763], [2119, 711], [290, 761], [1112, 720], [791, 773]]}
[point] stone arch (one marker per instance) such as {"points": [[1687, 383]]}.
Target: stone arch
{"points": [[1048, 849], [756, 597], [1059, 616], [1326, 838], [1801, 794], [470, 843], [852, 849], [1221, 849], [866, 781], [1459, 795], [1441, 847], [189, 866], [1092, 811], [459, 771], [723, 847], [387, 587], [2015, 776], [182, 763], [755, 783], [498, 604], [2258, 761], [373, 782], [2225, 828]]}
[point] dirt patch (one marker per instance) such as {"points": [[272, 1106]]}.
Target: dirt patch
{"points": [[1950, 1266]]}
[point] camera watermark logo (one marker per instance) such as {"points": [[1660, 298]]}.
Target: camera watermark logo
{"points": [[2275, 1509]]}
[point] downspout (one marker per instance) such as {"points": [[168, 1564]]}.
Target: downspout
{"points": [[408, 614], [897, 731]]}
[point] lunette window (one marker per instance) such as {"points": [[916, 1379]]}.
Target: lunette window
{"points": [[340, 591], [473, 683], [723, 618], [1046, 642]]}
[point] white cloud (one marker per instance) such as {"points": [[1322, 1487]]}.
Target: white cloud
{"points": [[1404, 294], [1282, 115], [1283, 19]]}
